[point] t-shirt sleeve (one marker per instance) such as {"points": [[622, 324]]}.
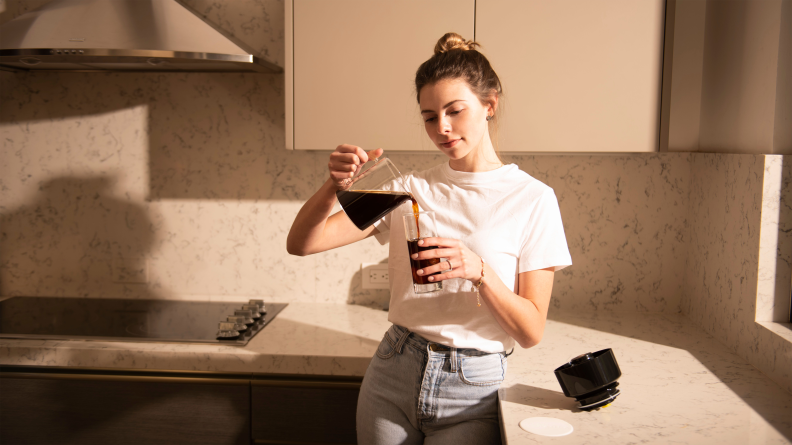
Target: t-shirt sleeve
{"points": [[544, 243]]}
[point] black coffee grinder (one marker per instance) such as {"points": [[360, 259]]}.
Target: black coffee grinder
{"points": [[591, 379]]}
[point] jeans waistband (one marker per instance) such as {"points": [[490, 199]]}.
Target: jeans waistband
{"points": [[399, 336]]}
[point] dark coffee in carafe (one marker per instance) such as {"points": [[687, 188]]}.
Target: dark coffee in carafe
{"points": [[365, 207]]}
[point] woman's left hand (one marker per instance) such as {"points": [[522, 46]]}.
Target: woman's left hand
{"points": [[463, 261]]}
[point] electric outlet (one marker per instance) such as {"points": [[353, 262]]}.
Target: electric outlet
{"points": [[378, 276], [375, 275]]}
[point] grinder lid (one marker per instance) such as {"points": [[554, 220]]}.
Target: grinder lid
{"points": [[588, 373], [581, 358]]}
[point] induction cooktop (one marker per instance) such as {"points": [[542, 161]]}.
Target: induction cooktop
{"points": [[134, 320]]}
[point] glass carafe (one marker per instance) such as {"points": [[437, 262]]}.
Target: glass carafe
{"points": [[376, 190]]}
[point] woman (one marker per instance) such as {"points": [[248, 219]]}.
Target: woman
{"points": [[435, 376]]}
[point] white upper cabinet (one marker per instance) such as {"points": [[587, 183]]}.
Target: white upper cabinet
{"points": [[577, 75], [350, 69]]}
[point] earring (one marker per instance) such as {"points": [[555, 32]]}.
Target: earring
{"points": [[489, 118]]}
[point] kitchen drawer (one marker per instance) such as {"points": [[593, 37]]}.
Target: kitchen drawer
{"points": [[304, 412], [101, 409]]}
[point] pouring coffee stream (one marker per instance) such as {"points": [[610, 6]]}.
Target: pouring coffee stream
{"points": [[376, 190], [416, 210]]}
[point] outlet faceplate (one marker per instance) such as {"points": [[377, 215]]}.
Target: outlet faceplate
{"points": [[375, 275]]}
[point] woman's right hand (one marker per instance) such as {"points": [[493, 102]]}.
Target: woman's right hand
{"points": [[345, 161]]}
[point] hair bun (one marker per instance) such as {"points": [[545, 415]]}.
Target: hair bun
{"points": [[451, 41]]}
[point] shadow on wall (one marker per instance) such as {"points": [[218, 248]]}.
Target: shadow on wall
{"points": [[75, 239], [210, 136], [724, 74]]}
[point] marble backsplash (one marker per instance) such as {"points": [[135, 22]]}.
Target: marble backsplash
{"points": [[178, 186], [738, 268]]}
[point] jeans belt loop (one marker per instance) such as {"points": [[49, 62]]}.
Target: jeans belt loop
{"points": [[402, 339], [454, 360]]}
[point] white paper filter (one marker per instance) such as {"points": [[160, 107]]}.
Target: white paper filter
{"points": [[546, 426]]}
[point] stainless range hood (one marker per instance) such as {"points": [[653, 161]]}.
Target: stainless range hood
{"points": [[122, 35]]}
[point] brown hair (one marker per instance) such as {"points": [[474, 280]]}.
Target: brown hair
{"points": [[457, 58]]}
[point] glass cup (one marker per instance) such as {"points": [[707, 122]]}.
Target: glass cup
{"points": [[376, 190], [417, 227]]}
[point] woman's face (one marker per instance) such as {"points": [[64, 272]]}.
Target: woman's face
{"points": [[454, 117]]}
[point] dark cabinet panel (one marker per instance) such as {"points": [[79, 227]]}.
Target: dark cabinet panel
{"points": [[96, 410], [316, 412]]}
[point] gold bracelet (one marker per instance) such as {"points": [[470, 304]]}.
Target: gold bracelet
{"points": [[481, 281]]}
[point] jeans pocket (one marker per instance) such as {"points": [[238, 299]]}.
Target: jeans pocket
{"points": [[386, 348], [482, 370]]}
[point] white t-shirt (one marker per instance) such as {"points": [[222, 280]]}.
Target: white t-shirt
{"points": [[506, 216]]}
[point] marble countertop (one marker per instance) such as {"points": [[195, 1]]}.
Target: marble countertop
{"points": [[679, 385], [305, 338]]}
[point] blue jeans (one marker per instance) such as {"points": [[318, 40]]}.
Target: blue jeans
{"points": [[419, 392]]}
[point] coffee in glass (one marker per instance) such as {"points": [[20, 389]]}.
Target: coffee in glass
{"points": [[418, 226]]}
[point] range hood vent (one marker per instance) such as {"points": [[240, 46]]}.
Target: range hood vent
{"points": [[122, 35]]}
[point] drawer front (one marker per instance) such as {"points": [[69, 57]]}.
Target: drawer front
{"points": [[126, 411], [304, 414]]}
